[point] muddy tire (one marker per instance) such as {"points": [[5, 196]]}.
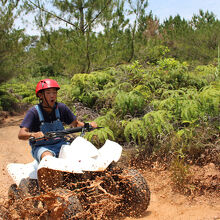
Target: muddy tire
{"points": [[29, 187], [16, 197], [135, 193], [73, 208], [69, 204], [14, 193]]}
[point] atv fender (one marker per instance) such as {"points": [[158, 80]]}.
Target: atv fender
{"points": [[19, 171]]}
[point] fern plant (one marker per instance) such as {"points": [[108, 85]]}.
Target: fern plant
{"points": [[183, 104], [189, 111], [207, 71], [154, 83], [99, 136], [7, 101], [132, 73], [180, 172], [106, 98], [24, 91], [102, 78], [135, 130], [209, 98], [187, 107], [111, 121], [86, 87], [158, 122], [125, 86], [176, 73], [168, 100], [129, 103], [144, 91], [108, 122], [171, 64]]}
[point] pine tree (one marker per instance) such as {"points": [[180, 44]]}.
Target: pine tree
{"points": [[11, 44]]}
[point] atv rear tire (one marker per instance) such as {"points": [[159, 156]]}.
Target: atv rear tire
{"points": [[135, 193]]}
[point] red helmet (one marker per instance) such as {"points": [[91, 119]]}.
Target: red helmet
{"points": [[46, 84]]}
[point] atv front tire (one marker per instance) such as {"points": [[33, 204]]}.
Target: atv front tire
{"points": [[61, 204], [29, 187], [14, 193], [135, 193]]}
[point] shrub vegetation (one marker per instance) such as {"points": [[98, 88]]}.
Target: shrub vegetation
{"points": [[166, 100]]}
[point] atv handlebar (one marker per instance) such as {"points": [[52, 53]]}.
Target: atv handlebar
{"points": [[62, 133], [54, 134]]}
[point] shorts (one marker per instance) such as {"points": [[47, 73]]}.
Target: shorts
{"points": [[37, 151]]}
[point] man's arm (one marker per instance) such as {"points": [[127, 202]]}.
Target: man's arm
{"points": [[25, 134], [76, 123]]}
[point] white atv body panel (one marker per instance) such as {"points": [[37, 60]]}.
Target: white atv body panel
{"points": [[79, 156], [19, 171]]}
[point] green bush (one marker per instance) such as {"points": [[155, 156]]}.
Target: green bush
{"points": [[142, 106], [209, 99], [153, 53], [184, 104], [136, 131], [158, 122], [132, 73], [99, 136], [129, 103], [85, 87], [7, 101], [171, 64]]}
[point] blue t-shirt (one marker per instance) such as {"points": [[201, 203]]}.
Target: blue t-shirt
{"points": [[32, 121]]}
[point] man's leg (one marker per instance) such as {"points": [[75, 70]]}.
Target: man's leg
{"points": [[46, 153], [49, 178]]}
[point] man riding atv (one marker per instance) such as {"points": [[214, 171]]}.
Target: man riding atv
{"points": [[70, 177], [47, 116]]}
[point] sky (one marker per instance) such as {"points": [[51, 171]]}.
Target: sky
{"points": [[185, 8], [162, 9]]}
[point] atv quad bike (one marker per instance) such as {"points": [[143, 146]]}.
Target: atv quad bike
{"points": [[81, 179]]}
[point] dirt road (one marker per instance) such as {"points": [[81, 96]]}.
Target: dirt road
{"points": [[165, 204]]}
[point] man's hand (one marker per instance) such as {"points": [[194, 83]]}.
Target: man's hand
{"points": [[38, 134], [25, 134], [93, 124], [77, 123]]}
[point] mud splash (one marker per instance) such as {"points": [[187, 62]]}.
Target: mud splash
{"points": [[53, 206], [63, 204], [100, 198]]}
